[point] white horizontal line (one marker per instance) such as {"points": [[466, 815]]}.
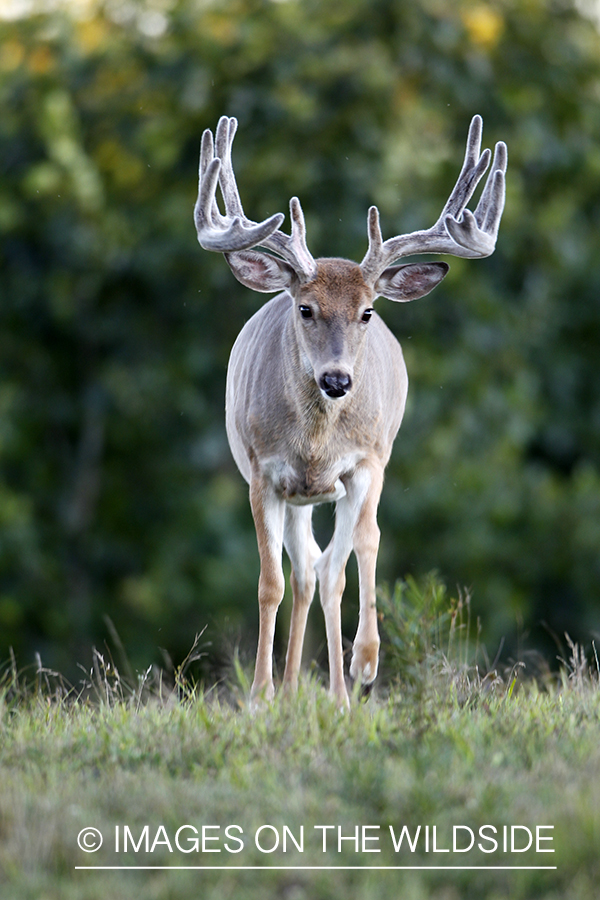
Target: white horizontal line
{"points": [[314, 868]]}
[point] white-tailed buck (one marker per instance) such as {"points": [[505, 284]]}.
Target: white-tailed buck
{"points": [[316, 389]]}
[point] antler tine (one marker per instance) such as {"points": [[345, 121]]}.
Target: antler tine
{"points": [[374, 227], [474, 167], [232, 231], [293, 247], [206, 209], [491, 204], [224, 136], [458, 231]]}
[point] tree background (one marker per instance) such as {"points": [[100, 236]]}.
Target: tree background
{"points": [[118, 496]]}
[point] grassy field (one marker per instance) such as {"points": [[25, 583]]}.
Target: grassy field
{"points": [[188, 777]]}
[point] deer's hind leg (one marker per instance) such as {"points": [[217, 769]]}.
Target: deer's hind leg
{"points": [[331, 571], [303, 552]]}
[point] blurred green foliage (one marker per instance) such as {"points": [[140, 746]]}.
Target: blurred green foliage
{"points": [[118, 497]]}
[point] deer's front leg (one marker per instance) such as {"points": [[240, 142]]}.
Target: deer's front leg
{"points": [[351, 510], [365, 650], [268, 511], [303, 552]]}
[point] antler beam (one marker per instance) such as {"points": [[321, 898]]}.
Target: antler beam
{"points": [[458, 231], [234, 230]]}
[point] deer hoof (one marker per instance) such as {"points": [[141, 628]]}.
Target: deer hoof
{"points": [[365, 660], [261, 696]]}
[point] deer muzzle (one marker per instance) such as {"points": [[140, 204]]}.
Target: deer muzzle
{"points": [[335, 383]]}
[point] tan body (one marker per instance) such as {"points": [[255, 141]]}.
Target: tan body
{"points": [[316, 390], [264, 407], [338, 452]]}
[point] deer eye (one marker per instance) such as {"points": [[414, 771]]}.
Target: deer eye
{"points": [[306, 312], [366, 315]]}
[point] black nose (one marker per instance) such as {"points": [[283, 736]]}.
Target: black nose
{"points": [[335, 384]]}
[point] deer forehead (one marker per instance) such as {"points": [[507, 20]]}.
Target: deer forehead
{"points": [[338, 287]]}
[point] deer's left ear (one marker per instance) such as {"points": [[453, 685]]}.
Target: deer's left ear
{"points": [[409, 282]]}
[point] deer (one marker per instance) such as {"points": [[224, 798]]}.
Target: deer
{"points": [[316, 390]]}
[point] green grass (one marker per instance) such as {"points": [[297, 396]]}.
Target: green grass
{"points": [[439, 743]]}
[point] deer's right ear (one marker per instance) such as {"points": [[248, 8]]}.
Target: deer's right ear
{"points": [[260, 271]]}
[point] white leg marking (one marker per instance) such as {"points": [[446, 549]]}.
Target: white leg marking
{"points": [[303, 552]]}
